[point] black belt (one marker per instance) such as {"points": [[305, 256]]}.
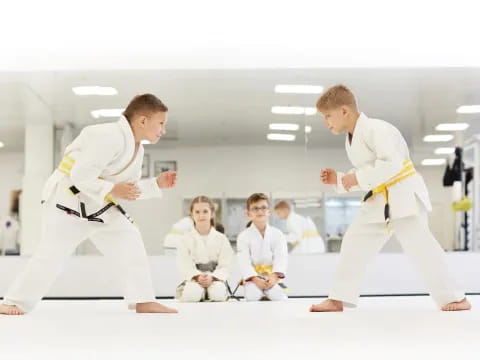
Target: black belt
{"points": [[83, 214]]}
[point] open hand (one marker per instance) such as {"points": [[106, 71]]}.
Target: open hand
{"points": [[349, 180], [127, 191]]}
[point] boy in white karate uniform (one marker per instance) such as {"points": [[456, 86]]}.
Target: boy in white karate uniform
{"points": [[103, 164], [204, 256], [302, 233], [262, 253], [396, 201]]}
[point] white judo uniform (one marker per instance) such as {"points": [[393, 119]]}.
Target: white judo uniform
{"points": [[102, 156], [303, 234], [178, 230], [378, 152], [257, 251], [9, 232], [210, 254]]}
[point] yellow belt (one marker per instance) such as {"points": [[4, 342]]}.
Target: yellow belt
{"points": [[406, 172], [264, 269], [175, 232], [65, 167], [310, 234]]}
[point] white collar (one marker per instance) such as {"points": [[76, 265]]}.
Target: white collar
{"points": [[127, 134]]}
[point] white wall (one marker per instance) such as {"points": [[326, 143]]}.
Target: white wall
{"points": [[11, 175], [308, 275], [238, 171]]}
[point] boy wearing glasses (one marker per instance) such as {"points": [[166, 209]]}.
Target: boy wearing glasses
{"points": [[262, 253]]}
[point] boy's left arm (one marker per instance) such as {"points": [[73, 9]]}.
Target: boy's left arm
{"points": [[387, 164], [280, 256]]}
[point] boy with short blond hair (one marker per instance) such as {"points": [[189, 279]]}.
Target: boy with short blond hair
{"points": [[396, 200], [81, 200]]}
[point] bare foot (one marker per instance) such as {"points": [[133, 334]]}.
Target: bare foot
{"points": [[153, 307], [10, 310], [327, 306], [457, 306]]}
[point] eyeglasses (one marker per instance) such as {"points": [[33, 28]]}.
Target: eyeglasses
{"points": [[257, 209]]}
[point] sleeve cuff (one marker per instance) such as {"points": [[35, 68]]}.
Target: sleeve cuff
{"points": [[363, 183]]}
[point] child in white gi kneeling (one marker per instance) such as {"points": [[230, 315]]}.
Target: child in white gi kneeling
{"points": [[204, 257], [262, 253]]}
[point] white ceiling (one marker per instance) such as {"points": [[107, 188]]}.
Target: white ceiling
{"points": [[224, 107], [145, 34]]}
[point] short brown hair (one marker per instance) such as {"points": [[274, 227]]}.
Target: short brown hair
{"points": [[144, 104], [282, 205], [204, 199], [254, 198], [336, 96]]}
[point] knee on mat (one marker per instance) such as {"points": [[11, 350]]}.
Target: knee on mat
{"points": [[192, 293], [217, 292]]}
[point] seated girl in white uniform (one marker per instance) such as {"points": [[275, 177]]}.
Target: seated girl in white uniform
{"points": [[262, 253], [204, 256]]}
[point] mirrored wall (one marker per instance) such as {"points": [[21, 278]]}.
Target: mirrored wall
{"points": [[232, 133]]}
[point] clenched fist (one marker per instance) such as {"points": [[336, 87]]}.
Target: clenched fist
{"points": [[328, 176], [349, 180], [167, 179]]}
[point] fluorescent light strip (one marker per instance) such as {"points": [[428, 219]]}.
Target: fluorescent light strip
{"points": [[106, 113], [354, 203], [309, 205], [281, 137], [444, 151], [452, 127], [308, 200], [468, 109], [334, 203], [94, 90], [438, 138], [1, 144], [294, 110], [298, 89], [433, 162], [286, 127]]}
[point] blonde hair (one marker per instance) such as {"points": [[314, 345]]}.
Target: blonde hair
{"points": [[282, 205], [204, 199], [335, 97]]}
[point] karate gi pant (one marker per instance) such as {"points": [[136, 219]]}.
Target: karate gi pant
{"points": [[119, 241], [253, 293], [194, 292], [363, 241]]}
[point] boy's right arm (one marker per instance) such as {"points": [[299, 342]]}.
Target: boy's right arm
{"points": [[98, 150], [244, 260]]}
